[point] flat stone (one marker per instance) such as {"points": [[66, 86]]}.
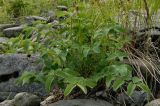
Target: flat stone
{"points": [[81, 102], [4, 26], [12, 32], [62, 8], [30, 19]]}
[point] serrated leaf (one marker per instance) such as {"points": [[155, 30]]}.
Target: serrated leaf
{"points": [[130, 88], [117, 84], [69, 89]]}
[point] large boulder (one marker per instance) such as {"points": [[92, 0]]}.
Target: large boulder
{"points": [[81, 102], [18, 63], [11, 67]]}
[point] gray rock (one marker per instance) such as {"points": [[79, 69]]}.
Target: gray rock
{"points": [[7, 95], [26, 99], [4, 26], [12, 32], [81, 102], [7, 103], [3, 39], [138, 98], [62, 8], [155, 102], [9, 89], [9, 64], [30, 19], [11, 67]]}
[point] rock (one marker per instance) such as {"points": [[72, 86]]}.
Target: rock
{"points": [[138, 98], [81, 102], [7, 95], [18, 63], [11, 67], [4, 26], [155, 102], [26, 99], [62, 8], [49, 14], [7, 103], [12, 32], [9, 89], [30, 19], [3, 39]]}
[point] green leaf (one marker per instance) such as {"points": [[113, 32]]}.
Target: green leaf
{"points": [[86, 51], [67, 73], [63, 56], [26, 77], [49, 82], [122, 70], [109, 79], [90, 83], [136, 80], [118, 29], [83, 88], [144, 87], [130, 88], [57, 51], [96, 47], [26, 80], [116, 55], [117, 84], [69, 89]]}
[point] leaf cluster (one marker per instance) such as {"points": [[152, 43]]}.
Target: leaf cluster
{"points": [[83, 49]]}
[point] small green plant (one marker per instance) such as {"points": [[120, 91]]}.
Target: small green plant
{"points": [[10, 9], [83, 50], [16, 8]]}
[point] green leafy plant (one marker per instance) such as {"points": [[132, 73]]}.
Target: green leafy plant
{"points": [[83, 50]]}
